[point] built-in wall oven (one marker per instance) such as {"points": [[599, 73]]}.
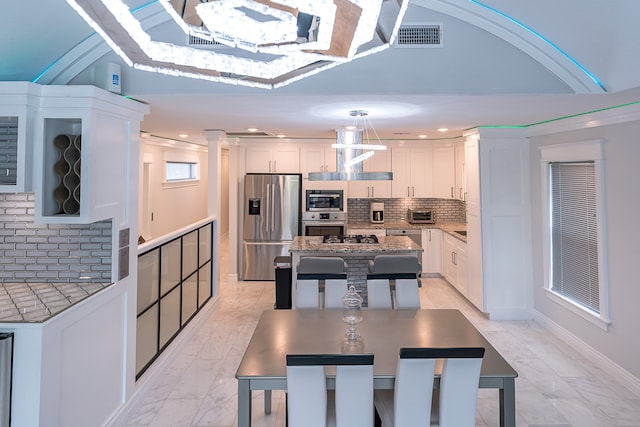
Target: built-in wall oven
{"points": [[324, 223], [324, 214]]}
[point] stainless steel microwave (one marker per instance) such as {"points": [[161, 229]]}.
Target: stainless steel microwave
{"points": [[324, 200]]}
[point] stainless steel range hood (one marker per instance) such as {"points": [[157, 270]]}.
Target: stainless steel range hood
{"points": [[346, 172]]}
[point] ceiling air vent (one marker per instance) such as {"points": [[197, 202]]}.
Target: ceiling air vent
{"points": [[202, 43], [419, 35]]}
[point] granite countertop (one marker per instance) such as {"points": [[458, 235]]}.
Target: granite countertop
{"points": [[394, 244], [447, 227], [38, 302]]}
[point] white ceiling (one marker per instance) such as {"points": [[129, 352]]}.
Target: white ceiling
{"points": [[490, 71]]}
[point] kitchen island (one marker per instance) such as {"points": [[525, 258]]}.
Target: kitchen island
{"points": [[356, 255]]}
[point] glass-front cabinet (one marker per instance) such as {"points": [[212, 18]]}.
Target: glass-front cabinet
{"points": [[16, 137]]}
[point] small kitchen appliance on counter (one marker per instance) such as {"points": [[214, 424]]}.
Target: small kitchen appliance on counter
{"points": [[421, 216], [377, 212]]}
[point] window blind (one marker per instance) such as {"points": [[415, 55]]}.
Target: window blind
{"points": [[574, 237]]}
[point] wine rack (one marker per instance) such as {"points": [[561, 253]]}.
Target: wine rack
{"points": [[67, 170]]}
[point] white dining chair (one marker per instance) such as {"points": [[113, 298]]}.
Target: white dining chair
{"points": [[307, 294], [310, 404], [311, 281], [407, 294], [334, 290], [378, 293], [414, 402]]}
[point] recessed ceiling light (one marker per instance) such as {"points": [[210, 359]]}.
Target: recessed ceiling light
{"points": [[183, 135], [442, 129], [422, 136], [350, 127], [252, 129], [281, 136]]}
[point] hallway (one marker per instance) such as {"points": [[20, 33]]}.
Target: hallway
{"points": [[556, 386]]}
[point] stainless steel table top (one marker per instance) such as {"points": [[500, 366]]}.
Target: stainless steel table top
{"points": [[383, 332]]}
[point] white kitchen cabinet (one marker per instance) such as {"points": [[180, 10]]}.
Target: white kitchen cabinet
{"points": [[379, 162], [319, 158], [432, 255], [499, 223], [412, 176], [18, 103], [443, 170], [85, 138], [273, 159], [474, 258], [460, 172], [454, 262]]}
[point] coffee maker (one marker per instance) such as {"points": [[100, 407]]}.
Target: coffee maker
{"points": [[377, 212]]}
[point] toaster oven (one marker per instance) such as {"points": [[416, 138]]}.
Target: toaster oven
{"points": [[421, 216]]}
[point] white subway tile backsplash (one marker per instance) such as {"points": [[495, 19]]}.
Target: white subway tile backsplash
{"points": [[56, 253]]}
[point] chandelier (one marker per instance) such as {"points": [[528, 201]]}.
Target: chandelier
{"points": [[273, 42]]}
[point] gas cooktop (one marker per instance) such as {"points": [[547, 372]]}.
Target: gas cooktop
{"points": [[350, 238]]}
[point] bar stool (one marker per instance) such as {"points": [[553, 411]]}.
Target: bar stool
{"points": [[321, 275], [397, 276]]}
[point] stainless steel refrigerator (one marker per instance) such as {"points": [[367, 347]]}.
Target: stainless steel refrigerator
{"points": [[272, 218]]}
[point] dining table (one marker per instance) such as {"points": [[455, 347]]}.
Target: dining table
{"points": [[382, 332]]}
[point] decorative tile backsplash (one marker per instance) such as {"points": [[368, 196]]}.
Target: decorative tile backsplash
{"points": [[396, 209], [53, 253]]}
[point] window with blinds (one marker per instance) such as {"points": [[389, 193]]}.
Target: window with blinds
{"points": [[574, 233]]}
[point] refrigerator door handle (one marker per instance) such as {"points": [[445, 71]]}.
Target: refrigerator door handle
{"points": [[267, 210]]}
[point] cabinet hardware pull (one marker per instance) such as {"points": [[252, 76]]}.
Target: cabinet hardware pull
{"points": [[413, 191], [408, 192], [7, 171], [461, 195], [275, 168], [452, 192], [429, 235]]}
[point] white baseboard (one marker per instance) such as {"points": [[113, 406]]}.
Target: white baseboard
{"points": [[628, 379], [121, 417]]}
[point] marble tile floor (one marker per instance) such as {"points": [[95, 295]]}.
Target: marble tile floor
{"points": [[556, 386]]}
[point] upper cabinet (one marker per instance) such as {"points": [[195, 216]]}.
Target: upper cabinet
{"points": [[18, 103], [412, 172], [84, 141], [272, 158], [443, 168], [317, 158], [424, 170], [460, 171], [379, 162]]}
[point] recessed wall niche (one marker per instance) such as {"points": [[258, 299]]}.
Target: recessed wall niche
{"points": [[62, 177]]}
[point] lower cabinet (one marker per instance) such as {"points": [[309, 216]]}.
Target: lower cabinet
{"points": [[454, 262], [432, 255]]}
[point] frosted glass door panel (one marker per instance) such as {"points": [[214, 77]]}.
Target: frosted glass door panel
{"points": [[169, 316], [148, 275], [146, 337], [170, 266], [189, 297], [205, 244], [204, 284], [189, 253]]}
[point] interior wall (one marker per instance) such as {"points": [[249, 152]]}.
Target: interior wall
{"points": [[224, 193], [621, 206], [171, 205]]}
